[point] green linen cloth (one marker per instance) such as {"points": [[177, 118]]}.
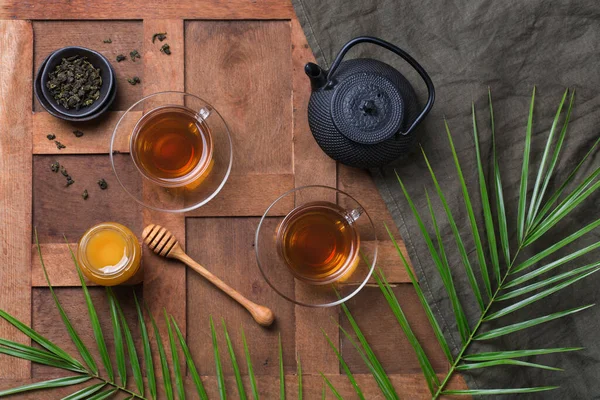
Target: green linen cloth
{"points": [[509, 46]]}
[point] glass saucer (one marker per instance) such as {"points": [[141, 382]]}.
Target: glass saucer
{"points": [[287, 282], [182, 196]]}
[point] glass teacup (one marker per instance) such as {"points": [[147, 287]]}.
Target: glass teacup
{"points": [[322, 252]]}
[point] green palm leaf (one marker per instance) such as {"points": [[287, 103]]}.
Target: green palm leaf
{"points": [[485, 203], [234, 364], [428, 311], [103, 395], [52, 383], [538, 189], [333, 390], [119, 348], [498, 191], [488, 392], [521, 230], [146, 349], [502, 355], [175, 358], [218, 366], [495, 363], [84, 393], [366, 353], [281, 372], [96, 327], [471, 214], [40, 357], [190, 362], [344, 367], [164, 365], [459, 242], [424, 363], [444, 271], [251, 369], [299, 372], [505, 330], [131, 350]]}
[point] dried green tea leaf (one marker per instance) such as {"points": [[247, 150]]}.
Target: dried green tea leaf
{"points": [[134, 54], [166, 49], [59, 145], [51, 136], [102, 183], [109, 40], [77, 133], [121, 57], [75, 83], [160, 36], [85, 194], [134, 81], [70, 181], [63, 171], [55, 166]]}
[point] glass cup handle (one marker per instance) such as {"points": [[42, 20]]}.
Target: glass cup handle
{"points": [[205, 112], [352, 215]]}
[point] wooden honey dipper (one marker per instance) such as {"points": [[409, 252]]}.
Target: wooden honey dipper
{"points": [[163, 243]]}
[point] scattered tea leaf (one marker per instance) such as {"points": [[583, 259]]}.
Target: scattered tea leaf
{"points": [[121, 57], [85, 194], [134, 54], [166, 49], [59, 145], [77, 133], [134, 81], [160, 36], [63, 171], [109, 40], [55, 166], [102, 183], [70, 181], [51, 136], [75, 83]]}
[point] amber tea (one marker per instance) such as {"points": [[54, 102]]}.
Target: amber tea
{"points": [[318, 242], [172, 146]]}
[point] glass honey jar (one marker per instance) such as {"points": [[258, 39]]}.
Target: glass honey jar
{"points": [[109, 254]]}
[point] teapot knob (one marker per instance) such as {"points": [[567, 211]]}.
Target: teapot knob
{"points": [[368, 107]]}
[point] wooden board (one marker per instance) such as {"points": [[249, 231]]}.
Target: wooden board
{"points": [[247, 60]]}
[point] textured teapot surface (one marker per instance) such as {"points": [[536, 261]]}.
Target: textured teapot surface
{"points": [[358, 118], [363, 112]]}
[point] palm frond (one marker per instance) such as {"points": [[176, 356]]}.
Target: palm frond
{"points": [[503, 355], [119, 348], [489, 392], [234, 364], [331, 387], [146, 349], [495, 363], [251, 375], [166, 374], [190, 362], [218, 365], [85, 392], [281, 372], [49, 384], [175, 359], [344, 367], [525, 173], [131, 351], [299, 372]]}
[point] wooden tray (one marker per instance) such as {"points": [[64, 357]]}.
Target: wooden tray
{"points": [[247, 59]]}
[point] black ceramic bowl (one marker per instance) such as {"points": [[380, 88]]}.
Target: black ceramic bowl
{"points": [[107, 90]]}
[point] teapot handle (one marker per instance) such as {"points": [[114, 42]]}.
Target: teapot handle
{"points": [[401, 53]]}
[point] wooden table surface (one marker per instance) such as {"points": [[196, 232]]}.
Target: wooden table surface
{"points": [[246, 58]]}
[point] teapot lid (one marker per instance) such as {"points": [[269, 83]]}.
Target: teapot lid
{"points": [[367, 108]]}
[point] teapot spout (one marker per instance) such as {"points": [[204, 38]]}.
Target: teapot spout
{"points": [[316, 74]]}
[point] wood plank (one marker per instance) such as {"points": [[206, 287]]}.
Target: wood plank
{"points": [[243, 68], [164, 280], [60, 210], [125, 35], [15, 185], [384, 334], [142, 9], [225, 246], [96, 138], [311, 167], [249, 195], [59, 264]]}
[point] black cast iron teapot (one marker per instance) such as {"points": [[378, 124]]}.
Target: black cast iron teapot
{"points": [[363, 112]]}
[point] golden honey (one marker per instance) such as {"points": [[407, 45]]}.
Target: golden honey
{"points": [[109, 254]]}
